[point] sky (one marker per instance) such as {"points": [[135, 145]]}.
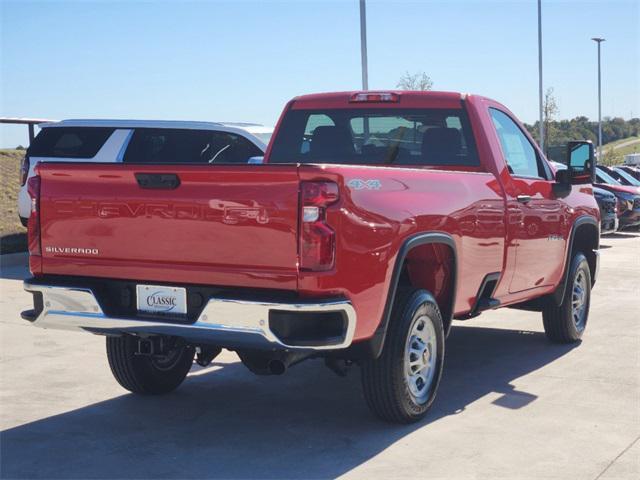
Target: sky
{"points": [[242, 60]]}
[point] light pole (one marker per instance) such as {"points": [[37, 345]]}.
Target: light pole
{"points": [[541, 121], [363, 55], [599, 40], [363, 44]]}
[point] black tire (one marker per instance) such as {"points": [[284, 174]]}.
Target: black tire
{"points": [[560, 325], [145, 374], [384, 381]]}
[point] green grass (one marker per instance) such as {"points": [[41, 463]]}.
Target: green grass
{"points": [[622, 140], [12, 233], [613, 156], [635, 148]]}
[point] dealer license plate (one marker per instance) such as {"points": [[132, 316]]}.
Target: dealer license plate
{"points": [[159, 299]]}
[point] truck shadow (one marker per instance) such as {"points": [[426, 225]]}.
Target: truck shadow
{"points": [[621, 235], [226, 423], [14, 266]]}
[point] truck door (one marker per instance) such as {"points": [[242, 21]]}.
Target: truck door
{"points": [[537, 221]]}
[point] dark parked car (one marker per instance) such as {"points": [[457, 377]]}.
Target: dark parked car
{"points": [[633, 171], [628, 198], [608, 210], [621, 176], [625, 177]]}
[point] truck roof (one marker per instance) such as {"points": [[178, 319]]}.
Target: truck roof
{"points": [[406, 98]]}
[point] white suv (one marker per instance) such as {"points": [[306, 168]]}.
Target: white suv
{"points": [[141, 141]]}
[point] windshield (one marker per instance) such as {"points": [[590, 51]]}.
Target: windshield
{"points": [[386, 136], [604, 177], [628, 179]]}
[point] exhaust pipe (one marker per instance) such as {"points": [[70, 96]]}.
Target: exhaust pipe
{"points": [[263, 363], [277, 367]]}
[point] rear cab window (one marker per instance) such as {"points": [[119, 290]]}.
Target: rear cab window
{"points": [[69, 142], [160, 145], [389, 136]]}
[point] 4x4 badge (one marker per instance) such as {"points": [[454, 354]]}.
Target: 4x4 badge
{"points": [[359, 184]]}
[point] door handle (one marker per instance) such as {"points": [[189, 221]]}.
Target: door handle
{"points": [[158, 181], [524, 198]]}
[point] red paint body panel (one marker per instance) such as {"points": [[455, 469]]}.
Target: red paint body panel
{"points": [[222, 225], [534, 264], [238, 226], [373, 224], [405, 100], [619, 188]]}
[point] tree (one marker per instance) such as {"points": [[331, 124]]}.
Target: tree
{"points": [[417, 81], [549, 111], [20, 147], [581, 128], [609, 157]]}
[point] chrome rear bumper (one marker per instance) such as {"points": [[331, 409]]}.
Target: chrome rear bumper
{"points": [[224, 322]]}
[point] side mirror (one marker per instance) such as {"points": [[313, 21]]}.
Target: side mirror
{"points": [[581, 162], [562, 187]]}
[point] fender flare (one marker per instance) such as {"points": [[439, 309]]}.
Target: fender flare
{"points": [[376, 343], [558, 294]]}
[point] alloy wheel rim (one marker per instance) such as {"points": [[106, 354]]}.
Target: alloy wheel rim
{"points": [[579, 300], [420, 360]]}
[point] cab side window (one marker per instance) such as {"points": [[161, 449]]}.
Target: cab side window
{"points": [[520, 155]]}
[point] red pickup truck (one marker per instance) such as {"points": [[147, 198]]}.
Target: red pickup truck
{"points": [[373, 221]]}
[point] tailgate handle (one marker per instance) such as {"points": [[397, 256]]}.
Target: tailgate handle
{"points": [[158, 181]]}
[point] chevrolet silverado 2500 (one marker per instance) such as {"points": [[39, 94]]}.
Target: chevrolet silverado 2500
{"points": [[375, 219]]}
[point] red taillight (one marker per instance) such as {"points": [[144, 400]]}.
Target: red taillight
{"points": [[317, 239], [319, 194], [24, 170], [375, 97], [33, 187]]}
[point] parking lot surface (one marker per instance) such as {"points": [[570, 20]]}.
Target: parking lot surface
{"points": [[511, 405]]}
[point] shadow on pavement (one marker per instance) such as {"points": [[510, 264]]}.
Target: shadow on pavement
{"points": [[226, 423], [626, 235], [14, 266], [13, 242]]}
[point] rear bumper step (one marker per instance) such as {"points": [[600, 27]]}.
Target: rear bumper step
{"points": [[29, 315], [227, 322]]}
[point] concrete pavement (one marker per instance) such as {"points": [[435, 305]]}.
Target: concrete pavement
{"points": [[510, 405]]}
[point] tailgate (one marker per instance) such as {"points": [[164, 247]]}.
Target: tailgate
{"points": [[221, 225]]}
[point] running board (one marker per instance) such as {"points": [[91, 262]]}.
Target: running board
{"points": [[487, 304], [484, 299]]}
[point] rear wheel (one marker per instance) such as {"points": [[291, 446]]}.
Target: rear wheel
{"points": [[400, 386], [566, 323], [148, 374]]}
